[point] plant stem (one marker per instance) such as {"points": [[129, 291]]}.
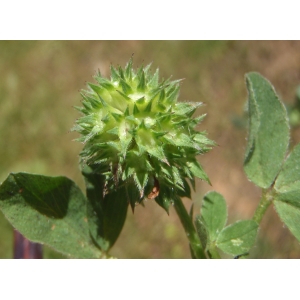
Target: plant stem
{"points": [[23, 248], [261, 209], [214, 253], [264, 203], [189, 228]]}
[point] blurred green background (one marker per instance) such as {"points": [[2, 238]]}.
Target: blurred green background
{"points": [[40, 83]]}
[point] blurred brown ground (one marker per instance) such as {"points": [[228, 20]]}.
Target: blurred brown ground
{"points": [[40, 83]]}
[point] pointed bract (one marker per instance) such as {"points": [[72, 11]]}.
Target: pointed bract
{"points": [[137, 135]]}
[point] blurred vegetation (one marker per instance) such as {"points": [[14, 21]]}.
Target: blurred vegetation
{"points": [[40, 83]]}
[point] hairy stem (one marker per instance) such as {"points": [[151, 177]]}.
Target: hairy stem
{"points": [[261, 209], [189, 228], [264, 203]]}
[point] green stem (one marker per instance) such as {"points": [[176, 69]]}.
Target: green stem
{"points": [[213, 252], [189, 228], [264, 203], [261, 209]]}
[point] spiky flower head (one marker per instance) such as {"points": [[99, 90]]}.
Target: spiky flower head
{"points": [[136, 134]]}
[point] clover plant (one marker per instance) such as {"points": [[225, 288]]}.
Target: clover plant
{"points": [[140, 142]]}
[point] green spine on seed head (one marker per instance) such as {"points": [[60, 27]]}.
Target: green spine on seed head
{"points": [[136, 133]]}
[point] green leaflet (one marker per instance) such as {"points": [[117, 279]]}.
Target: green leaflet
{"points": [[268, 132], [202, 232], [290, 216], [287, 185], [287, 192], [213, 217], [48, 210], [106, 212], [238, 238]]}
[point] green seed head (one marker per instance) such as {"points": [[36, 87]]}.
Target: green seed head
{"points": [[136, 134]]}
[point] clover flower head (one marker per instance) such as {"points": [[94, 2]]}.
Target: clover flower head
{"points": [[136, 134]]}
